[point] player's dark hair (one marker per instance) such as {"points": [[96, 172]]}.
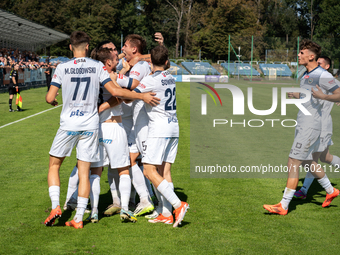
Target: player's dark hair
{"points": [[136, 41], [327, 60], [312, 46], [159, 55], [100, 45], [103, 55], [78, 38]]}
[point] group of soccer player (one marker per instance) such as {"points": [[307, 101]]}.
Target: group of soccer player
{"points": [[314, 131], [105, 117]]}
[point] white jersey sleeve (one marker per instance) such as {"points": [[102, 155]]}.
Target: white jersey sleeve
{"points": [[140, 70], [124, 81], [328, 82]]}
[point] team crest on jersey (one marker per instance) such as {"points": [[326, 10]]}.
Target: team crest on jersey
{"points": [[310, 81]]}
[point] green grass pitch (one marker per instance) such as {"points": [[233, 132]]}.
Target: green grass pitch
{"points": [[225, 215]]}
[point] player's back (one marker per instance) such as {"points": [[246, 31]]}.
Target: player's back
{"points": [[80, 79], [162, 118]]}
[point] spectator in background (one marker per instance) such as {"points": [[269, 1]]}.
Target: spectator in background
{"points": [[48, 73], [2, 65]]}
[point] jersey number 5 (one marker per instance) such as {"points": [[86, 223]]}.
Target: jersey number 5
{"points": [[78, 80], [170, 104]]}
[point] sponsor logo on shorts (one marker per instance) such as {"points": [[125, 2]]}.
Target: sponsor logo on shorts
{"points": [[107, 141], [84, 133], [298, 145]]}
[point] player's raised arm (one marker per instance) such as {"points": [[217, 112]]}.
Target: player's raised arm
{"points": [[159, 38]]}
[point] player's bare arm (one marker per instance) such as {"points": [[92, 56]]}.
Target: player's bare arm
{"points": [[127, 94], [112, 102], [335, 97], [51, 96], [159, 38]]}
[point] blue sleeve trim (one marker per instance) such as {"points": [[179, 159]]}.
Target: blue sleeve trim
{"points": [[130, 83], [55, 84], [106, 81], [334, 88], [137, 90]]}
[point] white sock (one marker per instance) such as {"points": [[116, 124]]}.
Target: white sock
{"points": [[165, 189], [159, 197], [95, 192], [326, 184], [307, 182], [167, 207], [81, 206], [287, 197], [336, 161], [54, 192], [72, 184], [125, 190], [111, 176], [138, 182]]}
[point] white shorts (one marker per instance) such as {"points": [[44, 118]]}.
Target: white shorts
{"points": [[325, 142], [306, 142], [113, 146], [86, 142], [128, 126], [141, 133], [160, 149]]}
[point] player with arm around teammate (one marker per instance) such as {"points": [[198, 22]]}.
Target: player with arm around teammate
{"points": [[325, 137], [160, 148], [79, 121], [113, 142], [308, 129]]}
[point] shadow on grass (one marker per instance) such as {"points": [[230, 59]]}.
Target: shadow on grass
{"points": [[314, 190]]}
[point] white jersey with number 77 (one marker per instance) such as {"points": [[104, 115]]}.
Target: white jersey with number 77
{"points": [[80, 79]]}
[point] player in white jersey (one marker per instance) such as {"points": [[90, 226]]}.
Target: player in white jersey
{"points": [[160, 148], [125, 82], [135, 120], [325, 137], [79, 121], [308, 129]]}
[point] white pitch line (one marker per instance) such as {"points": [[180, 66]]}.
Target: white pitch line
{"points": [[30, 116]]}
